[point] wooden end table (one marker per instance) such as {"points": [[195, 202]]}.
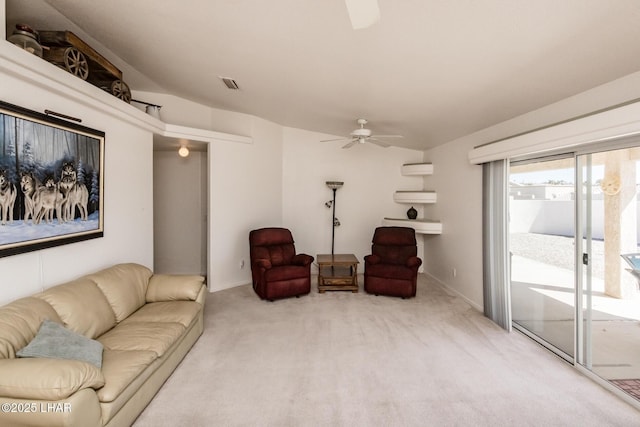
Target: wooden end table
{"points": [[338, 272]]}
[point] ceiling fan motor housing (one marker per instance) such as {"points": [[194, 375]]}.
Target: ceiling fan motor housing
{"points": [[362, 132]]}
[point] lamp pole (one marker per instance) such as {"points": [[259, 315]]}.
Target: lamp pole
{"points": [[333, 185], [333, 221]]}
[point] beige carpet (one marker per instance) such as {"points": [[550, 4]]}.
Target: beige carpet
{"points": [[343, 359]]}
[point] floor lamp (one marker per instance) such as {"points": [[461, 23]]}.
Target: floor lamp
{"points": [[334, 185]]}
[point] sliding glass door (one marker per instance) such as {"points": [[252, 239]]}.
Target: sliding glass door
{"points": [[609, 328], [541, 238], [575, 259]]}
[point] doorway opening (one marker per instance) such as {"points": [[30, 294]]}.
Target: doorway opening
{"points": [[180, 206]]}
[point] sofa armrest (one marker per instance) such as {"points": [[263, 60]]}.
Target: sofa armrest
{"points": [[414, 262], [302, 259], [44, 378], [372, 259], [173, 287], [82, 408]]}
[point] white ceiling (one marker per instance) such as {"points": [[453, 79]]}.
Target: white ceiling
{"points": [[431, 70]]}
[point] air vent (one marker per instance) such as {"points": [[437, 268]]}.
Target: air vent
{"points": [[230, 83]]}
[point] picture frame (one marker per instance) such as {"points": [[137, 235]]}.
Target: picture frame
{"points": [[51, 181]]}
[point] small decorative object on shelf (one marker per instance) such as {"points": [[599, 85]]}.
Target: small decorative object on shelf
{"points": [[151, 109], [26, 38], [412, 213]]}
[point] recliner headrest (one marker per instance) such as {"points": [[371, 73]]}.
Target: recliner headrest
{"points": [[270, 236], [394, 236]]}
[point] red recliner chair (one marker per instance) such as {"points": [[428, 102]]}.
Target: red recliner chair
{"points": [[276, 269], [392, 267]]}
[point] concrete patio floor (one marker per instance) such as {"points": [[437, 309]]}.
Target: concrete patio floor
{"points": [[543, 301]]}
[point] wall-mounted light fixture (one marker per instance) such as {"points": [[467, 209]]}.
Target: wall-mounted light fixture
{"points": [[333, 185], [183, 151]]}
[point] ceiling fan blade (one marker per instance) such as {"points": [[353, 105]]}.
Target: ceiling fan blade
{"points": [[386, 136], [351, 144], [337, 139], [378, 142], [363, 13]]}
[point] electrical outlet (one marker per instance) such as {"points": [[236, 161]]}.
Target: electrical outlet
{"points": [[241, 264]]}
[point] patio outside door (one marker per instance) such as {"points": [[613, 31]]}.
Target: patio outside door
{"points": [[608, 333], [573, 221], [543, 263]]}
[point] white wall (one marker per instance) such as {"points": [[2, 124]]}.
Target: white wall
{"points": [[279, 180], [556, 217], [128, 227], [180, 212], [459, 208], [459, 184], [245, 193], [371, 175], [245, 182]]}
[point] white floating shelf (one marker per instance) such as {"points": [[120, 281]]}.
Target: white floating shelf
{"points": [[422, 226], [415, 197], [417, 169]]}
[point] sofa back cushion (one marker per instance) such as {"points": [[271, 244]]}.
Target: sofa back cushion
{"points": [[124, 286], [19, 323], [82, 307]]}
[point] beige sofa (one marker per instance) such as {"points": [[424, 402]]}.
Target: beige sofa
{"points": [[146, 324]]}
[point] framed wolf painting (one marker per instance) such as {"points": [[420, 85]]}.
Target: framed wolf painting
{"points": [[51, 181]]}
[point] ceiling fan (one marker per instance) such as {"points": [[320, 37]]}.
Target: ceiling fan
{"points": [[362, 135]]}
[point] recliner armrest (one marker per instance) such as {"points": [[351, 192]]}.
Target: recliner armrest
{"points": [[414, 262], [372, 259], [302, 259], [262, 263]]}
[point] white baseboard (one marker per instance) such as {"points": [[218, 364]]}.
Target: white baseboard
{"points": [[455, 292], [227, 286]]}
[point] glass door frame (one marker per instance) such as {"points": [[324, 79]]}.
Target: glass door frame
{"points": [[550, 346], [583, 348], [583, 258]]}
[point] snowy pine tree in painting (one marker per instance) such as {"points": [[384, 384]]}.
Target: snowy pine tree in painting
{"points": [[94, 194]]}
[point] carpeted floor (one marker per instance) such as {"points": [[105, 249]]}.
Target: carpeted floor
{"points": [[343, 359]]}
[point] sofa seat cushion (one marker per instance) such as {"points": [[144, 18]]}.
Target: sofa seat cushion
{"points": [[48, 379], [390, 271], [20, 321], [147, 336], [82, 307], [57, 342], [183, 312], [120, 368], [124, 286], [168, 287]]}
